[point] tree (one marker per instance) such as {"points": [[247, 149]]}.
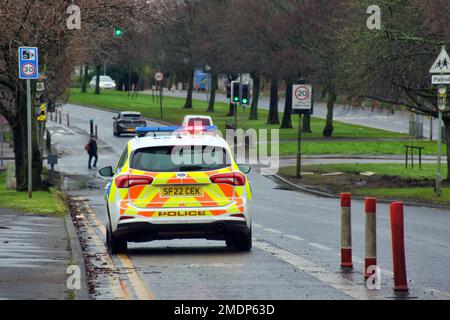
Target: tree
{"points": [[60, 49], [397, 72], [273, 107], [177, 34]]}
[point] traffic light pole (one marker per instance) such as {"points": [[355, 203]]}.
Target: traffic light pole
{"points": [[439, 165], [442, 101], [235, 116], [30, 155]]}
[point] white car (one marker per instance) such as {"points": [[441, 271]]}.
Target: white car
{"points": [[181, 186], [105, 82], [192, 120]]}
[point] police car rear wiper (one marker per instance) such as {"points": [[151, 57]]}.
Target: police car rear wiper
{"points": [[191, 168]]}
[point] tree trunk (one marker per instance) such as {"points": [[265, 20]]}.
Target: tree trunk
{"points": [[328, 130], [84, 81], [307, 123], [273, 109], [97, 80], [255, 100], [287, 119], [212, 98], [19, 132], [188, 104]]}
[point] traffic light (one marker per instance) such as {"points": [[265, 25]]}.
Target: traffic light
{"points": [[235, 92], [246, 94], [118, 32], [442, 98]]}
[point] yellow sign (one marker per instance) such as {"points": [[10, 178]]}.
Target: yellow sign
{"points": [[42, 117]]}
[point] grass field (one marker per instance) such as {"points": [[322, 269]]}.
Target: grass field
{"points": [[174, 113], [357, 147], [47, 203], [428, 171], [420, 195], [391, 182]]}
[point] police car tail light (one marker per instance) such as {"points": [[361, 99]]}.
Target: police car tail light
{"points": [[234, 179], [128, 181]]}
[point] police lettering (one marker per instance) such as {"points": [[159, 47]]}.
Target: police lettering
{"points": [[181, 214]]}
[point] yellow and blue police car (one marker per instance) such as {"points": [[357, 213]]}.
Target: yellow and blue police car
{"points": [[181, 185]]}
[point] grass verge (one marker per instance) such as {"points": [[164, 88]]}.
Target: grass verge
{"points": [[174, 113], [50, 203], [390, 182]]}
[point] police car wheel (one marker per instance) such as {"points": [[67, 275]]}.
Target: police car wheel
{"points": [[115, 246], [241, 242]]}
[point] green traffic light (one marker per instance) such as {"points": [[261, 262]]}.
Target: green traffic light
{"points": [[118, 32], [244, 101], [236, 99]]}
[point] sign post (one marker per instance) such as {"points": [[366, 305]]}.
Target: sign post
{"points": [[159, 77], [441, 67], [28, 70], [301, 104]]}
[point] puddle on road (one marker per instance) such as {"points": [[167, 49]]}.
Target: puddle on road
{"points": [[82, 183]]}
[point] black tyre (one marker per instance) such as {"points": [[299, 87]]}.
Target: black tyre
{"points": [[115, 245], [241, 242]]}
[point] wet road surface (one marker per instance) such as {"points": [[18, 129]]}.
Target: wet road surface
{"points": [[296, 241]]}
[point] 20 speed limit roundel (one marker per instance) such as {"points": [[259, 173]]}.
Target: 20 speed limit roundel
{"points": [[302, 93], [28, 69]]}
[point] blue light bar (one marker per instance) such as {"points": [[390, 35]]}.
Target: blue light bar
{"points": [[145, 130]]}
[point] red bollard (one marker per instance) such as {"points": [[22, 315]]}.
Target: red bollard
{"points": [[398, 247], [371, 235], [346, 231]]}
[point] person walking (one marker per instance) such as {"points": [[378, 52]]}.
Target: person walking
{"points": [[92, 149]]}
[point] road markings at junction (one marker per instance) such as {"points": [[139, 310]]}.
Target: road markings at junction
{"points": [[330, 278]]}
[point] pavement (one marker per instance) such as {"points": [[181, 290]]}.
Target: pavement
{"points": [[35, 252], [296, 241], [398, 122]]}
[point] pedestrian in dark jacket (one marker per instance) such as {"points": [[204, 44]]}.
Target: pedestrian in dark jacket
{"points": [[92, 149]]}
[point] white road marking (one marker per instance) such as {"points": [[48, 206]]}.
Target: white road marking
{"points": [[71, 131], [273, 231], [257, 225], [332, 279], [319, 246], [360, 261], [294, 237]]}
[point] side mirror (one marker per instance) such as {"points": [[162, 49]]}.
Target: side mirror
{"points": [[106, 172], [114, 118], [245, 169]]}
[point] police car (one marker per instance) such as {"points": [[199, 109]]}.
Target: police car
{"points": [[183, 184]]}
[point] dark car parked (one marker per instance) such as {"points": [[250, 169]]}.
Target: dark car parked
{"points": [[127, 122]]}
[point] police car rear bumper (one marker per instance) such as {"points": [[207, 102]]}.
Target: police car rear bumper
{"points": [[146, 231]]}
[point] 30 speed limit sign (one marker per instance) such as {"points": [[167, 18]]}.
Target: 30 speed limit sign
{"points": [[28, 63], [28, 69], [301, 97]]}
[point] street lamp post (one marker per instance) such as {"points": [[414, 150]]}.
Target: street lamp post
{"points": [[442, 97]]}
